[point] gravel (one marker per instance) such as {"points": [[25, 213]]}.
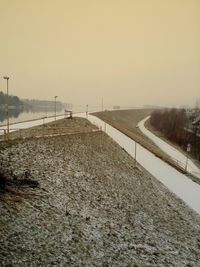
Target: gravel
{"points": [[92, 208]]}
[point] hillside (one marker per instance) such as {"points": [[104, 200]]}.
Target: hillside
{"points": [[92, 208]]}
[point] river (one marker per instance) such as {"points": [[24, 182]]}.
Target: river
{"points": [[17, 116]]}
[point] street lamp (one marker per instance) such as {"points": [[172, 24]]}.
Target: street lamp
{"points": [[55, 105], [188, 151], [7, 107], [136, 149], [86, 111], [135, 153]]}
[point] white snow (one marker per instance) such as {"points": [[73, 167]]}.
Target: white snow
{"points": [[176, 155], [177, 182], [28, 124]]}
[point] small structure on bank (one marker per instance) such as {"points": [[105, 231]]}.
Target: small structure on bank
{"points": [[68, 114]]}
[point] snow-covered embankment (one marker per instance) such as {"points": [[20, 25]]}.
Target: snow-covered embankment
{"points": [[177, 182]]}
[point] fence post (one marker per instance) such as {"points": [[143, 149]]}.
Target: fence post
{"points": [[135, 153], [4, 135]]}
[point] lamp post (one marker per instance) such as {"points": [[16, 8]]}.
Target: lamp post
{"points": [[7, 107], [55, 105], [188, 151], [135, 153], [86, 111], [136, 149]]}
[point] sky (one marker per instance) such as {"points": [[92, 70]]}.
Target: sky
{"points": [[128, 52]]}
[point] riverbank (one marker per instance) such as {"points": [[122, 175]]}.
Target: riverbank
{"points": [[173, 150], [126, 121], [92, 208], [53, 128], [161, 135]]}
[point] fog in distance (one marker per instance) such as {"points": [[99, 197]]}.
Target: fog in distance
{"points": [[131, 53]]}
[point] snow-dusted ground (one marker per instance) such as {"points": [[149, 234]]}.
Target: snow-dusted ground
{"points": [[28, 124], [177, 182], [176, 155], [92, 208]]}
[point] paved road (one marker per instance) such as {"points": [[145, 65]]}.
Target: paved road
{"points": [[175, 154], [176, 182]]}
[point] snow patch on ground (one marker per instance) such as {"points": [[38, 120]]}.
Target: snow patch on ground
{"points": [[176, 155]]}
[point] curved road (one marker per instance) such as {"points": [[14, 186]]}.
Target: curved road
{"points": [[176, 155], [176, 182]]}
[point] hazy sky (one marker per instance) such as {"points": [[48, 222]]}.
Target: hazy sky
{"points": [[130, 52]]}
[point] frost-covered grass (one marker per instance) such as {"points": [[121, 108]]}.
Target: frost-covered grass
{"points": [[93, 208]]}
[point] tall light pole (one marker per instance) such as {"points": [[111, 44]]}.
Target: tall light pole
{"points": [[136, 149], [135, 153], [188, 151], [7, 105], [86, 111], [55, 105]]}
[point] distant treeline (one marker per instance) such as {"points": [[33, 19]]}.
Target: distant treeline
{"points": [[13, 101], [35, 104], [17, 105], [173, 124]]}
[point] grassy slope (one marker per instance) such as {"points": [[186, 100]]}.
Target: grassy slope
{"points": [[93, 208], [126, 121]]}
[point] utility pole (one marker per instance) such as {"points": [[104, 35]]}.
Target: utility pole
{"points": [[86, 111], [55, 105], [188, 151], [102, 104], [136, 150], [135, 153], [7, 105], [186, 164]]}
